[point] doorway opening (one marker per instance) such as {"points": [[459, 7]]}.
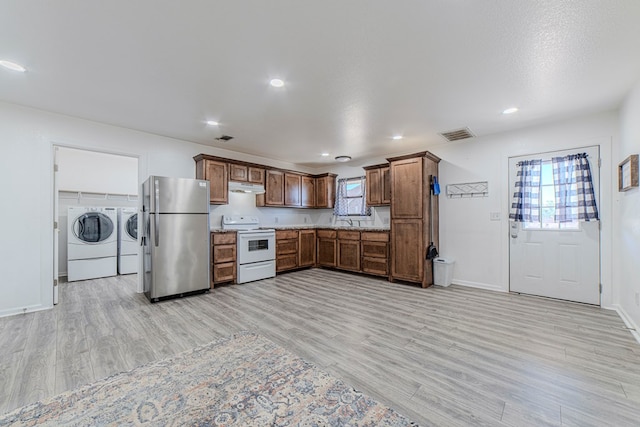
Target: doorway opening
{"points": [[93, 193]]}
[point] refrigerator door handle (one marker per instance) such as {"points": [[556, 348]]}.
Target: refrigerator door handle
{"points": [[156, 219]]}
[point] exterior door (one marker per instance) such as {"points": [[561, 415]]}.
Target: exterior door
{"points": [[550, 259]]}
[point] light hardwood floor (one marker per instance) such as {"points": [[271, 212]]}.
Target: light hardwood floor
{"points": [[442, 356]]}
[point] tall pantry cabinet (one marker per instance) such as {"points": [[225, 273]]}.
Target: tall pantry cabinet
{"points": [[411, 217]]}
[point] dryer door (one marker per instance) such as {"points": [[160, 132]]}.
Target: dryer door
{"points": [[131, 226], [93, 227]]}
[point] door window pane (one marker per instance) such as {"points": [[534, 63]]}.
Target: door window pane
{"points": [[548, 204]]}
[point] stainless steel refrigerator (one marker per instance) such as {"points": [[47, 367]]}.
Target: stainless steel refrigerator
{"points": [[176, 236]]}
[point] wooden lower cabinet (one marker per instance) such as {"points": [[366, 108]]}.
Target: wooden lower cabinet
{"points": [[407, 259], [307, 248], [349, 250], [286, 250], [375, 253], [223, 258], [326, 248], [365, 252], [223, 273]]}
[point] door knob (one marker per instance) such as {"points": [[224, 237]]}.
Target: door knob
{"points": [[514, 229]]}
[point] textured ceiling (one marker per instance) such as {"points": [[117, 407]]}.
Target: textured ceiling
{"points": [[356, 72]]}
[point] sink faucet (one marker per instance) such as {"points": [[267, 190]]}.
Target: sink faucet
{"points": [[350, 222]]}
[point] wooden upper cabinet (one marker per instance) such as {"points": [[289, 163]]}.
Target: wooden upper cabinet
{"points": [[282, 188], [325, 191], [378, 185], [321, 192], [385, 181], [256, 175], [374, 189], [216, 173], [292, 189], [407, 188], [274, 186], [244, 173], [238, 173], [308, 199]]}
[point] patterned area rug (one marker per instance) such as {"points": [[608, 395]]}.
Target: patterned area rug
{"points": [[243, 380]]}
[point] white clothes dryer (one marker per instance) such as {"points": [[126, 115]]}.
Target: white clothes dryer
{"points": [[92, 243], [127, 240]]}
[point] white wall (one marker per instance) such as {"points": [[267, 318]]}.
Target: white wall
{"points": [[91, 171], [627, 227], [26, 224], [479, 246]]}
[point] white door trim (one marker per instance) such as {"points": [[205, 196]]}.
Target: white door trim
{"points": [[142, 173]]}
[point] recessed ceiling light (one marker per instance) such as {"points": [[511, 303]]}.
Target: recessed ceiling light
{"points": [[276, 83], [325, 154], [12, 66], [212, 123], [343, 158], [510, 110], [396, 137]]}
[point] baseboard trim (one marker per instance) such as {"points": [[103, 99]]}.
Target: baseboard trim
{"points": [[628, 321], [23, 310], [478, 285]]}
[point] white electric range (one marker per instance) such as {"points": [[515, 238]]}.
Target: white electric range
{"points": [[256, 248]]}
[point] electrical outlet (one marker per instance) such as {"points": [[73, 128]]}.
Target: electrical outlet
{"points": [[638, 299], [385, 221], [305, 219], [275, 219], [494, 216]]}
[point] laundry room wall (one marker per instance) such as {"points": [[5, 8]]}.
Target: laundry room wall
{"points": [[92, 179]]}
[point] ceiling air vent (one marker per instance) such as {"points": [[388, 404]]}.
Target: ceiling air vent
{"points": [[224, 138], [458, 134]]}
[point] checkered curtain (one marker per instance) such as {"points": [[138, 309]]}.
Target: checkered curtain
{"points": [[341, 208], [525, 206], [575, 198]]}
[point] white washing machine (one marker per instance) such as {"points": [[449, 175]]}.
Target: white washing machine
{"points": [[127, 240], [92, 244]]}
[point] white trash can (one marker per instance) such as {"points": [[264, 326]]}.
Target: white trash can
{"points": [[443, 271]]}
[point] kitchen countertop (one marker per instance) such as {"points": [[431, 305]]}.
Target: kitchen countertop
{"points": [[308, 227], [329, 227]]}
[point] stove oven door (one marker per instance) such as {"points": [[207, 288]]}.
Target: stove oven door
{"points": [[256, 246]]}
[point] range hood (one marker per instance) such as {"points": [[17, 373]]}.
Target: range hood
{"points": [[244, 187]]}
